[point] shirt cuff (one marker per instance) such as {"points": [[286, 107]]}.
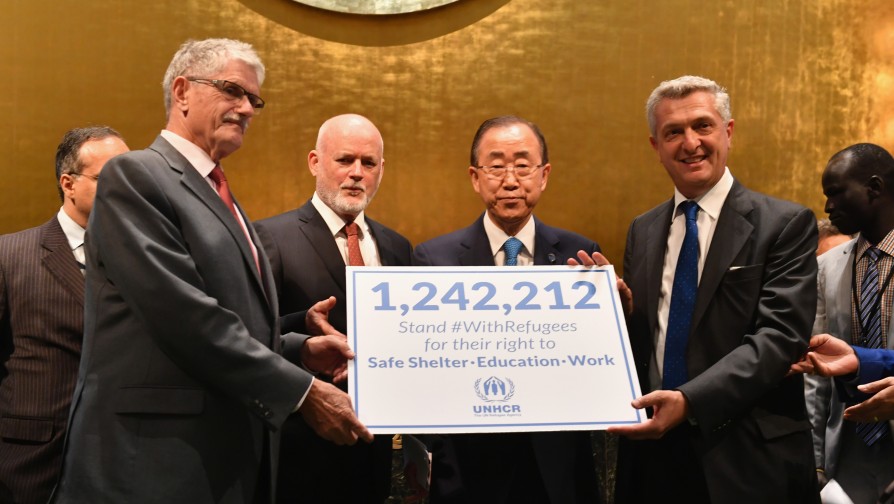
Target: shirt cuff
{"points": [[304, 396]]}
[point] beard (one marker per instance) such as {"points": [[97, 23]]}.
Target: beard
{"points": [[341, 204]]}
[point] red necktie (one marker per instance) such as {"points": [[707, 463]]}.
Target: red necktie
{"points": [[223, 189], [355, 258]]}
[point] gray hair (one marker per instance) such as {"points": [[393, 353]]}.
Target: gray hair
{"points": [[202, 58], [681, 87]]}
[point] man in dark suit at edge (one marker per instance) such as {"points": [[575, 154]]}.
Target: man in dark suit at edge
{"points": [[308, 249], [724, 290], [42, 321], [509, 170], [184, 379]]}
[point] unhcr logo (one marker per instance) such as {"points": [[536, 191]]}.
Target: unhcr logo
{"points": [[494, 389]]}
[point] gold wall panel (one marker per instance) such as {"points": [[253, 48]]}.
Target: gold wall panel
{"points": [[807, 78]]}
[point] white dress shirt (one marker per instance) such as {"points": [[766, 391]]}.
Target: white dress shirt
{"points": [[497, 237], [74, 233], [710, 205], [336, 225]]}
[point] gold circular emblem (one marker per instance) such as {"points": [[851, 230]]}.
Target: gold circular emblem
{"points": [[376, 6]]}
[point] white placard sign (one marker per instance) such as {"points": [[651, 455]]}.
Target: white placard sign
{"points": [[489, 349]]}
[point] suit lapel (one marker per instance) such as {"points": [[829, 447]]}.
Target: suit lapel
{"points": [[320, 238], [546, 243], [655, 250], [196, 184], [839, 305], [59, 260], [478, 252], [383, 243], [733, 230]]}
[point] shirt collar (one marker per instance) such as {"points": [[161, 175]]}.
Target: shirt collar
{"points": [[334, 221], [74, 233], [199, 159], [886, 245], [497, 237], [712, 201]]}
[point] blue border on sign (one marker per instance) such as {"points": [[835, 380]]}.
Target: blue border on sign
{"points": [[618, 322]]}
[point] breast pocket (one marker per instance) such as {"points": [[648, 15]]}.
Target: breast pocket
{"points": [[743, 273]]}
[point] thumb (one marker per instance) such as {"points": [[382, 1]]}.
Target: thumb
{"points": [[876, 386], [326, 304]]}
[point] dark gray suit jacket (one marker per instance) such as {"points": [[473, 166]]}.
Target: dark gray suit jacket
{"points": [[41, 328], [470, 468], [308, 267], [753, 312], [181, 385]]}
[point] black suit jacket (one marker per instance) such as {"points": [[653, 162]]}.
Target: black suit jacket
{"points": [[753, 315], [41, 328], [496, 468], [308, 267], [181, 386]]}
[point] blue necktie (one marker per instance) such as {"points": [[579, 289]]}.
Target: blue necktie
{"points": [[679, 320], [512, 246], [871, 323]]}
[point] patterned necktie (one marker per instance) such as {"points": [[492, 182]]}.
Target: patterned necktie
{"points": [[223, 189], [679, 320], [355, 258], [512, 247], [80, 258], [871, 323]]}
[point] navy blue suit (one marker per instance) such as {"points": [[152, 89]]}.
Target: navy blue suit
{"points": [[549, 467]]}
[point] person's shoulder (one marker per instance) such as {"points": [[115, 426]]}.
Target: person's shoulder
{"points": [[452, 238], [782, 208], [566, 236], [837, 254], [378, 227], [279, 220], [23, 241]]}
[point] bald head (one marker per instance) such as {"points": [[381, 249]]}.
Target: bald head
{"points": [[347, 124], [348, 163]]}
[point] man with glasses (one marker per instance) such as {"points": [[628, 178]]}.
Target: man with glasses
{"points": [[42, 321], [184, 380], [509, 170]]}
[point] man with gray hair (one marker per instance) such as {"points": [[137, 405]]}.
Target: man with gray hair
{"points": [[724, 294], [185, 380], [42, 321]]}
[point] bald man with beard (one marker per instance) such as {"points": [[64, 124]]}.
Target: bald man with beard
{"points": [[308, 250]]}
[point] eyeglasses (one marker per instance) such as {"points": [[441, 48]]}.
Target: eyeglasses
{"points": [[498, 172], [92, 177], [231, 89]]}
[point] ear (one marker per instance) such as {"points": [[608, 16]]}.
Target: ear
{"points": [[473, 174], [653, 143], [875, 186], [313, 162], [66, 181], [381, 172], [546, 169], [729, 132], [179, 87]]}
